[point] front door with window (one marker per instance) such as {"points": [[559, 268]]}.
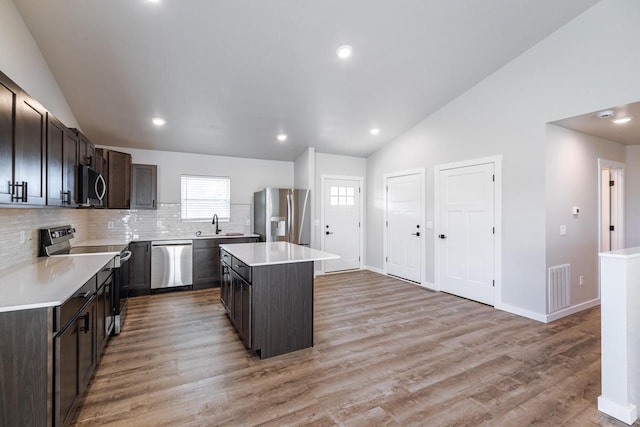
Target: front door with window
{"points": [[341, 228]]}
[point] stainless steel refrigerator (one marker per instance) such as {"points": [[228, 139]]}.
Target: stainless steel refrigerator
{"points": [[282, 215]]}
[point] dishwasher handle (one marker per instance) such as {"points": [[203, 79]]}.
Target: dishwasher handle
{"points": [[172, 243]]}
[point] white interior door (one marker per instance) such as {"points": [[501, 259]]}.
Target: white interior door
{"points": [[611, 197], [404, 231], [341, 228], [466, 232]]}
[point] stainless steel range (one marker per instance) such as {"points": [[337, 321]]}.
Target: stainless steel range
{"points": [[55, 241]]}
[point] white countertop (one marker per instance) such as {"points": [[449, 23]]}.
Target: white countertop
{"points": [[268, 253], [123, 241], [47, 282], [622, 253]]}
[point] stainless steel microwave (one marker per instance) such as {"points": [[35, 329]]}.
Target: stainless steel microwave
{"points": [[91, 187]]}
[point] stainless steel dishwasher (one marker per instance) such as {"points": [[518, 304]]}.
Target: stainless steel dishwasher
{"points": [[171, 263]]}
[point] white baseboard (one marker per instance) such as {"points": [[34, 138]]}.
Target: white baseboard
{"points": [[625, 413], [374, 269], [522, 312], [572, 310]]}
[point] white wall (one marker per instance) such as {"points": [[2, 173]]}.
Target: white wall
{"points": [[632, 196], [247, 175], [589, 64], [572, 180], [21, 60]]}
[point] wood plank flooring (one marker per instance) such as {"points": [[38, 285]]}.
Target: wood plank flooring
{"points": [[386, 353]]}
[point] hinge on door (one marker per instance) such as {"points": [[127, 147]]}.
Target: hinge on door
{"points": [[359, 224], [612, 228], [493, 178], [386, 223], [494, 230], [387, 188], [358, 190], [612, 183], [494, 283], [358, 259], [386, 259]]}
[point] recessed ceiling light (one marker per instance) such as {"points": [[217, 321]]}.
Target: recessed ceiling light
{"points": [[282, 137], [344, 51], [153, 1], [621, 120], [374, 131], [158, 121], [605, 114]]}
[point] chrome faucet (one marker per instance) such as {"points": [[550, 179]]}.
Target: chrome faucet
{"points": [[216, 222]]}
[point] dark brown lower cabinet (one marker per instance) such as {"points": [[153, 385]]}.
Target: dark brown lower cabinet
{"points": [[206, 260], [270, 306], [48, 357], [140, 268]]}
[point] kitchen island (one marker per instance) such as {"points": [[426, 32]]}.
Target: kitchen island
{"points": [[267, 291]]}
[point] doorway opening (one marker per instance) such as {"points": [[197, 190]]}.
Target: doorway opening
{"points": [[610, 205]]}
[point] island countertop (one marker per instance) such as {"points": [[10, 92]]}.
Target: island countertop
{"points": [[269, 253]]}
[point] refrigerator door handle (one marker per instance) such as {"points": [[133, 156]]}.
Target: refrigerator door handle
{"points": [[289, 217]]}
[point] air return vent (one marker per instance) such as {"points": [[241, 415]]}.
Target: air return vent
{"points": [[559, 283]]}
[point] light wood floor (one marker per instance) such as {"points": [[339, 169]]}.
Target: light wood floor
{"points": [[386, 353]]}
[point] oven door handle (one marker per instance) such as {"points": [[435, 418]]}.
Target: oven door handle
{"points": [[125, 256]]}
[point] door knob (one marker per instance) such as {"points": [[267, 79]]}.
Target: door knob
{"points": [[442, 236]]}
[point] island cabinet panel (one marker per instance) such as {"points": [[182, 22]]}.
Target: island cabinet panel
{"points": [[26, 355], [270, 306], [282, 297]]}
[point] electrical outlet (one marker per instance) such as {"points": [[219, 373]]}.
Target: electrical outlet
{"points": [[159, 223], [22, 236], [581, 282], [110, 224]]}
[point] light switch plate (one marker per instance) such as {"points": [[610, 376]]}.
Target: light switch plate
{"points": [[563, 230]]}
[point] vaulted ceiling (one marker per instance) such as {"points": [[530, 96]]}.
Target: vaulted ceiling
{"points": [[229, 75]]}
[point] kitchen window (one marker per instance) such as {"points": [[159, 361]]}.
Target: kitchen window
{"points": [[203, 196]]}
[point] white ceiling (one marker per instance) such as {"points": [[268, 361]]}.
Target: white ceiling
{"points": [[229, 75], [591, 124]]}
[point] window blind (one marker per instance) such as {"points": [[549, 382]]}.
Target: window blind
{"points": [[203, 196]]}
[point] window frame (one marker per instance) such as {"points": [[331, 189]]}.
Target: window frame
{"points": [[185, 202]]}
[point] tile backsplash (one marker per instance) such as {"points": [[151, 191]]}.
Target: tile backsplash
{"points": [[19, 226]]}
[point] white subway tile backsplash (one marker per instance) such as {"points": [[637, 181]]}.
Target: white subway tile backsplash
{"points": [[95, 224]]}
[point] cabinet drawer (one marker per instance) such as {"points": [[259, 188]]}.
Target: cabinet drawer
{"points": [[225, 257], [241, 268], [105, 272], [73, 305]]}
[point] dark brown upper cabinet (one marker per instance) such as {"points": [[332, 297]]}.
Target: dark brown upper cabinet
{"points": [[61, 164], [143, 186], [86, 150], [22, 146], [118, 180]]}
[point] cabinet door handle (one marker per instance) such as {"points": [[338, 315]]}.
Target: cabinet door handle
{"points": [[84, 328], [84, 295], [24, 191]]}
